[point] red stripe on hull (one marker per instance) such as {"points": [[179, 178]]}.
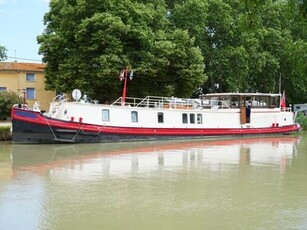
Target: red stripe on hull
{"points": [[197, 132]]}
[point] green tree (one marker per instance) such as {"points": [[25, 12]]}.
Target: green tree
{"points": [[2, 53], [251, 55], [293, 68], [295, 81], [225, 56], [7, 100], [174, 46], [302, 5], [87, 43]]}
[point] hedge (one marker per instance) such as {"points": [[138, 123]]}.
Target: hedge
{"points": [[5, 133], [302, 120], [7, 100]]}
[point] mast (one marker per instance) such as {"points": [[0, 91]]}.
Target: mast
{"points": [[124, 76], [125, 85]]}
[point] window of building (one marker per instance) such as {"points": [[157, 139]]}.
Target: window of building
{"points": [[30, 93], [160, 118], [192, 118], [105, 115], [30, 77], [2, 89], [199, 118], [134, 116], [185, 118]]}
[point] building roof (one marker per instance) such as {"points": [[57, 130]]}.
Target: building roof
{"points": [[22, 67]]}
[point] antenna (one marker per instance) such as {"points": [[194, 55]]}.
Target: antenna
{"points": [[15, 55], [25, 59]]}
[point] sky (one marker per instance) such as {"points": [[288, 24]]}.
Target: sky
{"points": [[21, 21]]}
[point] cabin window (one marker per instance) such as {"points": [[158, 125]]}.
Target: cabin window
{"points": [[160, 118], [105, 115], [185, 118], [249, 101], [274, 102], [214, 101], [192, 118], [234, 101], [259, 101], [199, 118], [30, 77], [134, 116], [225, 102], [30, 93], [264, 101], [2, 89]]}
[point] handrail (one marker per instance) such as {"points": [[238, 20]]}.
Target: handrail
{"points": [[158, 102], [286, 109], [170, 103], [56, 104], [60, 97]]}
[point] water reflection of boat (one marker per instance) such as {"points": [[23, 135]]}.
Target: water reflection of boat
{"points": [[126, 158]]}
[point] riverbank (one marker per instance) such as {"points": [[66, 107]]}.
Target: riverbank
{"points": [[5, 131], [302, 120]]}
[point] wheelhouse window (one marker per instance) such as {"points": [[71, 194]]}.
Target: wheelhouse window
{"points": [[2, 89], [105, 115], [255, 100], [199, 118], [30, 77], [185, 118], [234, 101], [30, 93], [134, 116], [258, 101], [225, 102], [274, 102], [264, 101], [192, 118], [160, 117]]}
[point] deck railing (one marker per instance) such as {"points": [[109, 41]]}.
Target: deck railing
{"points": [[156, 102], [170, 103]]}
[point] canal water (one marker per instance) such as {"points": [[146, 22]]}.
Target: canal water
{"points": [[241, 183]]}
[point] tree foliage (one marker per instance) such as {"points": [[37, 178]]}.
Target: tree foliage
{"points": [[176, 46], [7, 100], [2, 53], [87, 43]]}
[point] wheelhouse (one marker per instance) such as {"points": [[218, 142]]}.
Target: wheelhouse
{"points": [[238, 100]]}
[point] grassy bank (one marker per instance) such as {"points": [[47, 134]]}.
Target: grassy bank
{"points": [[302, 120], [5, 133]]}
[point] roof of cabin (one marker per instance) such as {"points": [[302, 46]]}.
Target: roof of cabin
{"points": [[242, 94], [22, 67]]}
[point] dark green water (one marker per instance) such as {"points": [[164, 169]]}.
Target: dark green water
{"points": [[251, 183]]}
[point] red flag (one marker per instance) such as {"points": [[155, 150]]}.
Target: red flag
{"points": [[121, 75], [283, 101]]}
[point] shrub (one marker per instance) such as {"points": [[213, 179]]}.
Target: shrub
{"points": [[302, 120], [5, 133], [7, 100]]}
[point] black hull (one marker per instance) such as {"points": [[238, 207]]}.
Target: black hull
{"points": [[30, 133]]}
